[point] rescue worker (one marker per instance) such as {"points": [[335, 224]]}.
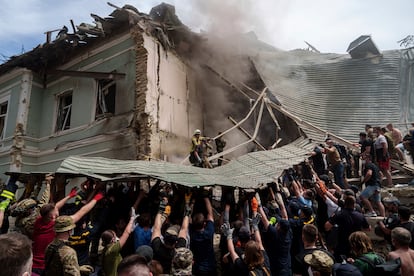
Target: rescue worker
{"points": [[196, 152], [61, 259], [28, 210], [220, 144]]}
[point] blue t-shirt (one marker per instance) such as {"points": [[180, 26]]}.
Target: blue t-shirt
{"points": [[201, 244], [142, 237]]}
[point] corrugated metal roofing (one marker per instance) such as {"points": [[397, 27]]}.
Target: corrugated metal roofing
{"points": [[334, 92], [248, 171]]}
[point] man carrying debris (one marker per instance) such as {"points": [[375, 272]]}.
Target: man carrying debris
{"points": [[196, 152]]}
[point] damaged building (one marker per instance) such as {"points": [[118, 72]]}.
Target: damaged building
{"points": [[135, 86]]}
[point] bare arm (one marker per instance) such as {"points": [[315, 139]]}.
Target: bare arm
{"points": [[209, 209], [45, 198], [184, 228], [232, 251], [86, 208], [128, 230], [297, 189], [62, 202], [156, 229], [140, 196], [281, 204], [159, 219], [264, 219], [328, 226]]}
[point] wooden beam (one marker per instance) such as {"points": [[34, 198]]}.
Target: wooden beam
{"points": [[88, 74]]}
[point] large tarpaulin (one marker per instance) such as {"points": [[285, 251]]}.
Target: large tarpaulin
{"points": [[248, 171]]}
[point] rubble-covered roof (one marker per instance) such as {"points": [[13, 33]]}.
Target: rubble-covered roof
{"points": [[248, 171], [337, 93]]}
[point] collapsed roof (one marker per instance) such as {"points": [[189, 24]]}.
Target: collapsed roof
{"points": [[323, 93], [249, 171]]}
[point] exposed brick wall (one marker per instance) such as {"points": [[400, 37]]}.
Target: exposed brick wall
{"points": [[142, 121]]}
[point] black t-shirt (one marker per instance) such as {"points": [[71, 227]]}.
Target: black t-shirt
{"points": [[367, 143], [165, 254], [277, 244], [375, 178], [348, 221], [318, 162]]}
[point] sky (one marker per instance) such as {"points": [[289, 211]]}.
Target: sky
{"points": [[330, 26]]}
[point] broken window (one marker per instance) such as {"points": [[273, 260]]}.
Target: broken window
{"points": [[3, 116], [64, 111], [105, 101]]}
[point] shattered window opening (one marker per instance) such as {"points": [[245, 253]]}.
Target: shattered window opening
{"points": [[3, 115], [105, 101], [64, 111]]}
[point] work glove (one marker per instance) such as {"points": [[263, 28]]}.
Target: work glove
{"points": [[255, 222], [259, 201], [227, 231], [163, 205], [73, 192], [134, 217], [98, 196], [187, 198], [188, 210], [199, 160], [86, 269], [272, 221], [254, 204], [4, 204], [273, 205]]}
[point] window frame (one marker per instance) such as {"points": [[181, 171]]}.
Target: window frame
{"points": [[3, 100], [61, 126], [108, 87]]}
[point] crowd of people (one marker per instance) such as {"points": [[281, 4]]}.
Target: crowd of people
{"points": [[309, 222]]}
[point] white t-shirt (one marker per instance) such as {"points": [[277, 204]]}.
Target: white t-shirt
{"points": [[380, 140]]}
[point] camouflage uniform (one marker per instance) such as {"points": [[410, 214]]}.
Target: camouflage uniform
{"points": [[24, 222], [182, 262], [63, 259]]}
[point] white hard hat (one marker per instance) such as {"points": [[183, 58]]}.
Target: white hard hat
{"points": [[197, 131]]}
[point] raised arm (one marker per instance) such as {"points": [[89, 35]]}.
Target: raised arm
{"points": [[45, 198], [129, 228], [62, 202], [209, 209], [163, 212], [86, 208]]}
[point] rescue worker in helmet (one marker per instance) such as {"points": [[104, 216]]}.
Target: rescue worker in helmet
{"points": [[196, 152]]}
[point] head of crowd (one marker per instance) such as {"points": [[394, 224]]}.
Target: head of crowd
{"points": [[309, 221]]}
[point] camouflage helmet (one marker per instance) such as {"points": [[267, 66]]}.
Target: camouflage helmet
{"points": [[182, 261], [63, 224], [23, 206]]}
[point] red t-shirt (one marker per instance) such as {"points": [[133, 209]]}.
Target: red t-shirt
{"points": [[43, 235]]}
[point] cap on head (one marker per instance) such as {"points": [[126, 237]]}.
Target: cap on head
{"points": [[23, 206], [320, 261], [244, 234], [146, 252], [63, 224], [197, 131]]}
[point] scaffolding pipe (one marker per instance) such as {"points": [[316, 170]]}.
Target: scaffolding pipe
{"points": [[246, 133], [256, 130]]}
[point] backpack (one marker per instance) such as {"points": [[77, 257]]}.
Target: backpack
{"points": [[259, 271], [391, 267], [345, 268], [343, 153]]}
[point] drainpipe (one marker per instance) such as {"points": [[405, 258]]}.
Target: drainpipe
{"points": [[21, 120]]}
